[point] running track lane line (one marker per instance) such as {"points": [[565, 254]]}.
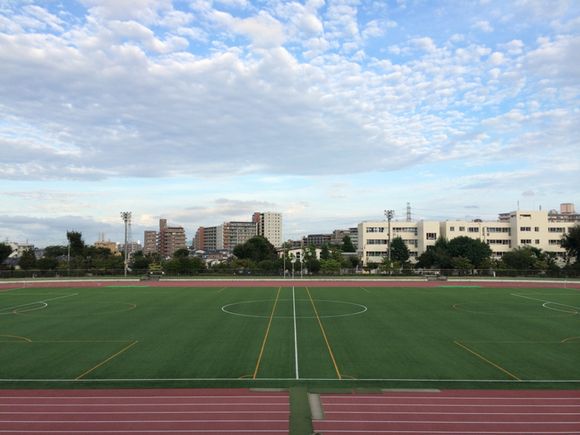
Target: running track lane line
{"points": [[223, 416], [448, 413]]}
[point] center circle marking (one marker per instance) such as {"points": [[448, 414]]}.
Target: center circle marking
{"points": [[230, 310]]}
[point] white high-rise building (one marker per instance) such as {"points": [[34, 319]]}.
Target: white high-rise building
{"points": [[269, 225]]}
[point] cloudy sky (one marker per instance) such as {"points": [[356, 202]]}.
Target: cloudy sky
{"points": [[329, 111]]}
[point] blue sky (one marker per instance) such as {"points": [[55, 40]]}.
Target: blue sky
{"points": [[204, 111]]}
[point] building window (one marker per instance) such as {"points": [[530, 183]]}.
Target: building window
{"points": [[473, 230], [431, 236], [537, 229], [537, 242], [526, 241], [375, 229], [556, 230], [525, 228], [461, 228], [555, 242]]}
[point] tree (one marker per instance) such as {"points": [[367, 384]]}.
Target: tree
{"points": [[27, 260], [181, 253], [436, 256], [399, 251], [330, 266], [139, 261], [325, 253], [55, 251], [475, 251], [571, 242], [461, 264], [47, 263], [525, 258], [257, 249], [347, 245], [5, 251], [76, 243]]}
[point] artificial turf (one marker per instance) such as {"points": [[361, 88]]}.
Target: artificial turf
{"points": [[323, 337]]}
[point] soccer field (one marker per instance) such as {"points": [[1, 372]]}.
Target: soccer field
{"points": [[371, 337]]}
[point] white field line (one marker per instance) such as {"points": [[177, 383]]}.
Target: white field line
{"points": [[499, 381], [576, 309], [10, 310], [297, 375]]}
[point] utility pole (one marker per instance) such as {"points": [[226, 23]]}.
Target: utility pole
{"points": [[389, 215], [126, 216]]}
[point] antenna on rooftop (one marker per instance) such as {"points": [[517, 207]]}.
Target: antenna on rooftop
{"points": [[408, 212]]}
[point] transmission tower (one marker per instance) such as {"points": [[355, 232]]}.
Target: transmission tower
{"points": [[408, 212]]}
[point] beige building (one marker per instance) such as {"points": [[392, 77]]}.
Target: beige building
{"points": [[269, 225], [540, 229]]}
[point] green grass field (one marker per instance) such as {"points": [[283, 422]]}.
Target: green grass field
{"points": [[279, 337]]}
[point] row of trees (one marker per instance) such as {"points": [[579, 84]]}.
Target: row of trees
{"points": [[259, 255]]}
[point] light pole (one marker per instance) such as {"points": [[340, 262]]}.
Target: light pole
{"points": [[389, 215], [293, 260], [126, 217]]}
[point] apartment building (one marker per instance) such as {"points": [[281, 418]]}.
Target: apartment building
{"points": [[540, 229], [237, 233], [170, 239], [150, 242], [269, 225], [206, 239]]}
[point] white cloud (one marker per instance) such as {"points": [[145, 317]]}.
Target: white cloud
{"points": [[484, 26]]}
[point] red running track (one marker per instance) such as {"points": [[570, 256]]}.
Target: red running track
{"points": [[451, 412], [163, 411]]}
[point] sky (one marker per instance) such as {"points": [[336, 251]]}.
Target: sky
{"points": [[328, 111]]}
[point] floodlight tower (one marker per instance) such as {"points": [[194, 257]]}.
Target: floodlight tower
{"points": [[389, 215], [126, 216]]}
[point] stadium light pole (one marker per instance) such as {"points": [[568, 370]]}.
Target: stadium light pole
{"points": [[389, 215], [126, 217]]}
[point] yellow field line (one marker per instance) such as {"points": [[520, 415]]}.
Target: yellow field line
{"points": [[266, 335], [130, 345], [324, 335], [511, 375], [20, 338]]}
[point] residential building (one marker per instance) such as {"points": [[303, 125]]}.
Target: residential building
{"points": [[237, 233], [206, 239], [318, 240], [170, 239], [150, 245], [269, 225], [540, 229], [337, 236]]}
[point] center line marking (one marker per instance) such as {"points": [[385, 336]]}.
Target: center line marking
{"points": [[295, 333]]}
